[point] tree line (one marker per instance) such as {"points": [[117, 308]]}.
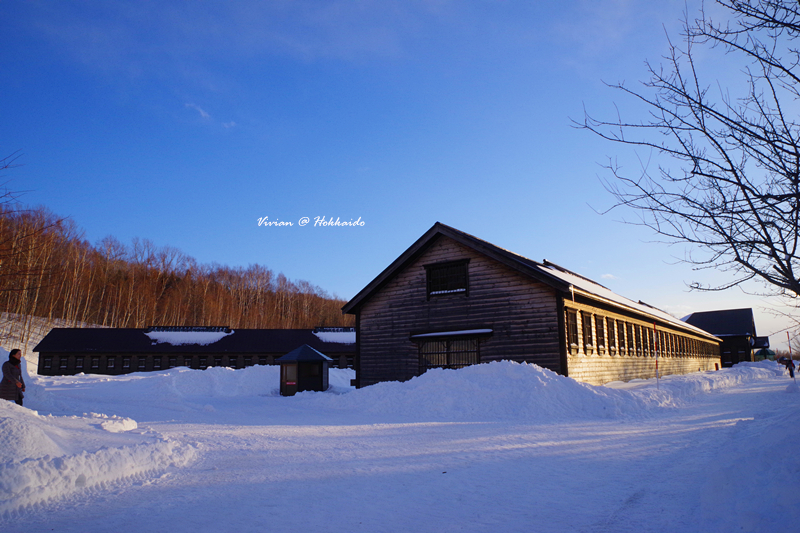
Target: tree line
{"points": [[48, 270]]}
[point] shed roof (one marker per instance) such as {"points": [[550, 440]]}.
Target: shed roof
{"points": [[136, 340], [304, 353], [561, 279]]}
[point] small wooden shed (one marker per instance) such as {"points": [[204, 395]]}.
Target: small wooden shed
{"points": [[303, 369]]}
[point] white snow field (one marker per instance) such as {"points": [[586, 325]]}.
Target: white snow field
{"points": [[497, 447]]}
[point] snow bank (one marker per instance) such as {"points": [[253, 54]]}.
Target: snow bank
{"points": [[44, 458], [506, 390]]}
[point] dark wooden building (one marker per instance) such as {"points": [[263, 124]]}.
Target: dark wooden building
{"points": [[452, 300], [736, 328], [67, 351], [303, 369]]}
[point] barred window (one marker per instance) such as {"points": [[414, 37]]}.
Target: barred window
{"points": [[629, 335], [586, 328], [447, 278], [448, 353], [599, 331], [638, 333], [612, 332], [572, 329]]}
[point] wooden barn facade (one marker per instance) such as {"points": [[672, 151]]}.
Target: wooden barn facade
{"points": [[68, 351], [453, 300]]}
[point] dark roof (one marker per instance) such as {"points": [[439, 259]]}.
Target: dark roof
{"points": [[135, 340], [305, 353], [724, 323], [547, 272]]}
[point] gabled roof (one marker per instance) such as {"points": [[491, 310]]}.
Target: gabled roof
{"points": [[305, 353], [136, 340], [725, 322], [559, 278]]}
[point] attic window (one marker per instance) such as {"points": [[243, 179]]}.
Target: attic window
{"points": [[447, 278]]}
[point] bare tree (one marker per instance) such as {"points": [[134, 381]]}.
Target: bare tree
{"points": [[734, 198]]}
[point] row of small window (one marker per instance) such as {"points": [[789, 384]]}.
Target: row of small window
{"points": [[602, 333], [141, 362]]}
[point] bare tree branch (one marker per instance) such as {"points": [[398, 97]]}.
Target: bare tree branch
{"points": [[736, 195]]}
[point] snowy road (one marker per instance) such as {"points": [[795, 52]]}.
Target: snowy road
{"points": [[710, 461]]}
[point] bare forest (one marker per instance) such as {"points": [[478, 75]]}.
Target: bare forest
{"points": [[48, 270]]}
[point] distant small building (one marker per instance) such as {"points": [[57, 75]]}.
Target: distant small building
{"points": [[453, 300], [68, 351], [303, 369], [736, 328]]}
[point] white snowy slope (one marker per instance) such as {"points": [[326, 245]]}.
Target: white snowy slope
{"points": [[494, 447]]}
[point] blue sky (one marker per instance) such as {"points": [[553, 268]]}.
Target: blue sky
{"points": [[186, 122]]}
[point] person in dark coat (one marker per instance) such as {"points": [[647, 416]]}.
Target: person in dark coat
{"points": [[12, 386], [789, 364]]}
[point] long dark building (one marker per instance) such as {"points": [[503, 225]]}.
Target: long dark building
{"points": [[67, 351]]}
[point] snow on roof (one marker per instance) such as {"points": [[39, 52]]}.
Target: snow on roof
{"points": [[588, 286], [346, 336], [180, 338]]}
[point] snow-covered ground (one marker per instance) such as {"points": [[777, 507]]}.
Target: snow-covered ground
{"points": [[496, 447]]}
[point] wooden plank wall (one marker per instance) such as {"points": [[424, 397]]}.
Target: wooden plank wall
{"points": [[522, 313]]}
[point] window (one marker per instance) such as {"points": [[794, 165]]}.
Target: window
{"points": [[173, 362], [572, 331], [62, 363], [586, 328], [447, 278], [156, 363], [638, 333], [79, 363], [126, 363], [48, 363], [612, 334], [232, 361], [95, 363], [448, 353], [110, 362], [204, 362], [141, 361], [217, 360], [599, 332], [248, 361], [262, 359], [187, 360], [629, 335]]}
